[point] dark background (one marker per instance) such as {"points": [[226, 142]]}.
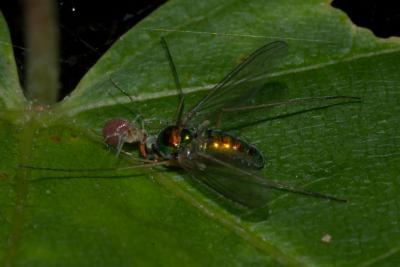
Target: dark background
{"points": [[88, 30]]}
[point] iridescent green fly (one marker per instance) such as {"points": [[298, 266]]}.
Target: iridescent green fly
{"points": [[197, 142]]}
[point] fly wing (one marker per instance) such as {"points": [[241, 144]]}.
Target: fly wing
{"points": [[238, 85], [238, 185], [244, 186]]}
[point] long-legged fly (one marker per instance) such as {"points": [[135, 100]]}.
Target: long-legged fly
{"points": [[198, 143]]}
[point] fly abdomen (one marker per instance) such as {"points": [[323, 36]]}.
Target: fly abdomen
{"points": [[232, 149]]}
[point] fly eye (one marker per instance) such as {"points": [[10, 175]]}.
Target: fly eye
{"points": [[169, 137]]}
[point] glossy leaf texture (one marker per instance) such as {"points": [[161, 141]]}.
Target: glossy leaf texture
{"points": [[156, 217]]}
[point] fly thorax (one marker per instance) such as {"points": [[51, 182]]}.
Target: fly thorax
{"points": [[171, 139], [203, 126]]}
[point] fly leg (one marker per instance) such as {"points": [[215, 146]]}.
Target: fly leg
{"points": [[293, 101], [162, 121], [143, 165], [181, 104]]}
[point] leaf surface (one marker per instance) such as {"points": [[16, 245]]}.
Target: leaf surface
{"points": [[154, 216]]}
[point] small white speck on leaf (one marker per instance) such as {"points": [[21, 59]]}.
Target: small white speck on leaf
{"points": [[327, 238]]}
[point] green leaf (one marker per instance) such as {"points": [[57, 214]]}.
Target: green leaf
{"points": [[154, 216], [11, 96]]}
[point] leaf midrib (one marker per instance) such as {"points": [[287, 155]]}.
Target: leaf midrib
{"points": [[166, 93], [21, 188]]}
